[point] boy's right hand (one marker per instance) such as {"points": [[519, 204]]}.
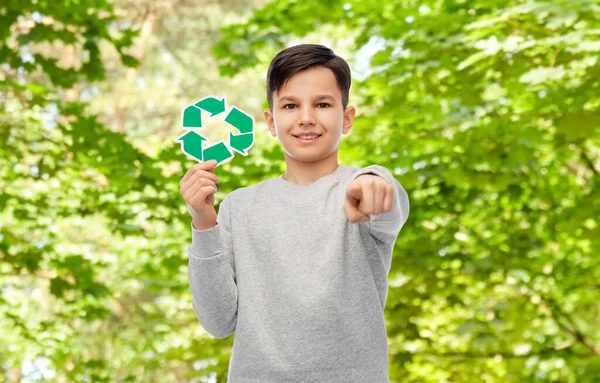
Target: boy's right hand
{"points": [[198, 187]]}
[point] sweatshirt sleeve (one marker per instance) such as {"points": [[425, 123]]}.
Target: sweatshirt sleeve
{"points": [[211, 274], [385, 227]]}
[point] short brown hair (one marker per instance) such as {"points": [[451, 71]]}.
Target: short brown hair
{"points": [[295, 59]]}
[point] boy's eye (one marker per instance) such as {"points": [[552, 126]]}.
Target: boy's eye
{"points": [[321, 103]]}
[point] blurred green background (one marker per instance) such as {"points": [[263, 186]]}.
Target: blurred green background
{"points": [[488, 112]]}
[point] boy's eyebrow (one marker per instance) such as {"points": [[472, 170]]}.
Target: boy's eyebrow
{"points": [[317, 97]]}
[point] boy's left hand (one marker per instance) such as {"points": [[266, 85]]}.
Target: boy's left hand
{"points": [[368, 194]]}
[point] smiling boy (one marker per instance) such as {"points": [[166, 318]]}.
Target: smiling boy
{"points": [[297, 265]]}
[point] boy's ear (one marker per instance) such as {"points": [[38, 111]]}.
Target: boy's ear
{"points": [[348, 119], [270, 122]]}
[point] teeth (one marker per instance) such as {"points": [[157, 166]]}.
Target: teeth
{"points": [[308, 137]]}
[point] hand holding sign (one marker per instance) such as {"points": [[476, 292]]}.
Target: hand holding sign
{"points": [[198, 187]]}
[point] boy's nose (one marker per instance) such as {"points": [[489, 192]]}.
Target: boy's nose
{"points": [[306, 117]]}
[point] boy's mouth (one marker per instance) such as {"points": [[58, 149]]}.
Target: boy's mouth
{"points": [[307, 139]]}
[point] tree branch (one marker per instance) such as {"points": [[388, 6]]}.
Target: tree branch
{"points": [[553, 310], [588, 161]]}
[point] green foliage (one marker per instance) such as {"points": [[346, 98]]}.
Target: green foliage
{"points": [[487, 112], [93, 281]]}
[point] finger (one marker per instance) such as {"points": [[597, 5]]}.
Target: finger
{"points": [[191, 171], [201, 192], [354, 193], [366, 205], [208, 165], [352, 212], [204, 193], [378, 198], [389, 198], [192, 187], [201, 174]]}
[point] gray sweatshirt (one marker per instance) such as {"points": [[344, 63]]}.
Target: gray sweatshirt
{"points": [[303, 289]]}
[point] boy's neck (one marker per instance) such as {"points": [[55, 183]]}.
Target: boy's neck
{"points": [[304, 174]]}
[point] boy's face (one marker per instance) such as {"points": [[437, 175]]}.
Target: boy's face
{"points": [[297, 108]]}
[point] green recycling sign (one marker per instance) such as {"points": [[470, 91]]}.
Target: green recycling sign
{"points": [[193, 144]]}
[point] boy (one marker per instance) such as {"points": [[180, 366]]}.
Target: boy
{"points": [[297, 265]]}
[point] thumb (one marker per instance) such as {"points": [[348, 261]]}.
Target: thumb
{"points": [[212, 164]]}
